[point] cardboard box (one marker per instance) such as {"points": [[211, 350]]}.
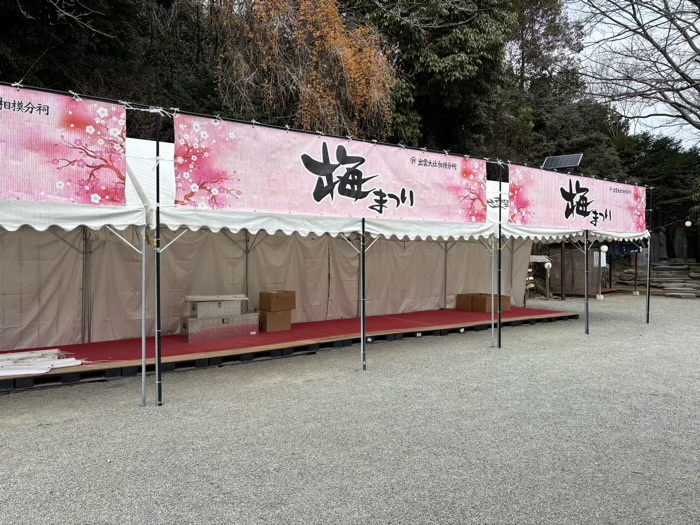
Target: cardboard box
{"points": [[482, 303], [464, 301], [277, 301], [200, 329], [275, 321]]}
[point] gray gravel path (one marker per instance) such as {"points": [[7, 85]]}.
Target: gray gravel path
{"points": [[557, 427]]}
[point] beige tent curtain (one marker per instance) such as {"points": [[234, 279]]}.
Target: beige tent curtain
{"points": [[41, 272], [40, 288]]}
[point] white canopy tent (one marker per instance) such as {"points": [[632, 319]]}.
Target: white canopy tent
{"points": [[311, 254], [69, 255]]}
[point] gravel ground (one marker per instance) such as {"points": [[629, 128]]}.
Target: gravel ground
{"points": [[556, 427]]}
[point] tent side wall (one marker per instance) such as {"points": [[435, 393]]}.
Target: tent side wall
{"points": [[40, 288], [41, 272]]}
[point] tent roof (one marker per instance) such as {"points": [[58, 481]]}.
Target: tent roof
{"points": [[42, 215]]}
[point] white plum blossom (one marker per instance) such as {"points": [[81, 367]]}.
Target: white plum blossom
{"points": [[180, 160], [194, 158], [87, 188], [97, 120], [196, 126], [194, 188], [231, 135], [102, 112], [95, 198], [101, 142], [89, 130], [214, 192], [206, 153], [182, 142], [204, 135], [59, 184], [115, 132], [186, 175]]}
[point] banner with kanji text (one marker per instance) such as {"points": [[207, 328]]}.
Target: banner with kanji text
{"points": [[243, 167], [546, 199]]}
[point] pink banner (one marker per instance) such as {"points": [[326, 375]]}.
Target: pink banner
{"points": [[242, 167], [57, 149], [545, 199]]}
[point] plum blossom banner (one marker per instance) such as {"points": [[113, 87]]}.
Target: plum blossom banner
{"points": [[231, 166], [545, 199], [61, 150]]}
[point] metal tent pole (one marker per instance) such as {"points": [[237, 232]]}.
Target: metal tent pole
{"points": [[445, 280], [363, 311], [156, 245], [493, 278], [85, 338], [636, 273], [143, 316], [500, 253], [500, 257], [563, 270], [585, 255], [648, 277]]}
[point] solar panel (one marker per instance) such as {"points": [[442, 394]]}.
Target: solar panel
{"points": [[562, 161]]}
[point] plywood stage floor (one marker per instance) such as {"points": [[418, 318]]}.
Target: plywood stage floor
{"points": [[112, 359]]}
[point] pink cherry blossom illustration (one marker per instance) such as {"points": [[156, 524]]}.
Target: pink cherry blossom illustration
{"points": [[200, 183], [92, 152], [520, 204], [471, 190], [637, 209]]}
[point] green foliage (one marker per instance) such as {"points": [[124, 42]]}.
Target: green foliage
{"points": [[662, 163], [452, 52]]}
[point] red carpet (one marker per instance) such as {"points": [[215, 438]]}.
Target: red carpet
{"points": [[301, 334]]}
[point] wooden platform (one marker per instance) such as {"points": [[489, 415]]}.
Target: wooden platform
{"points": [[113, 359]]}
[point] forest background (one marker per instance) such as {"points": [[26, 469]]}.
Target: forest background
{"points": [[501, 79]]}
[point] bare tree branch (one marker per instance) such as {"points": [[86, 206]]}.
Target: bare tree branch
{"points": [[645, 52]]}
